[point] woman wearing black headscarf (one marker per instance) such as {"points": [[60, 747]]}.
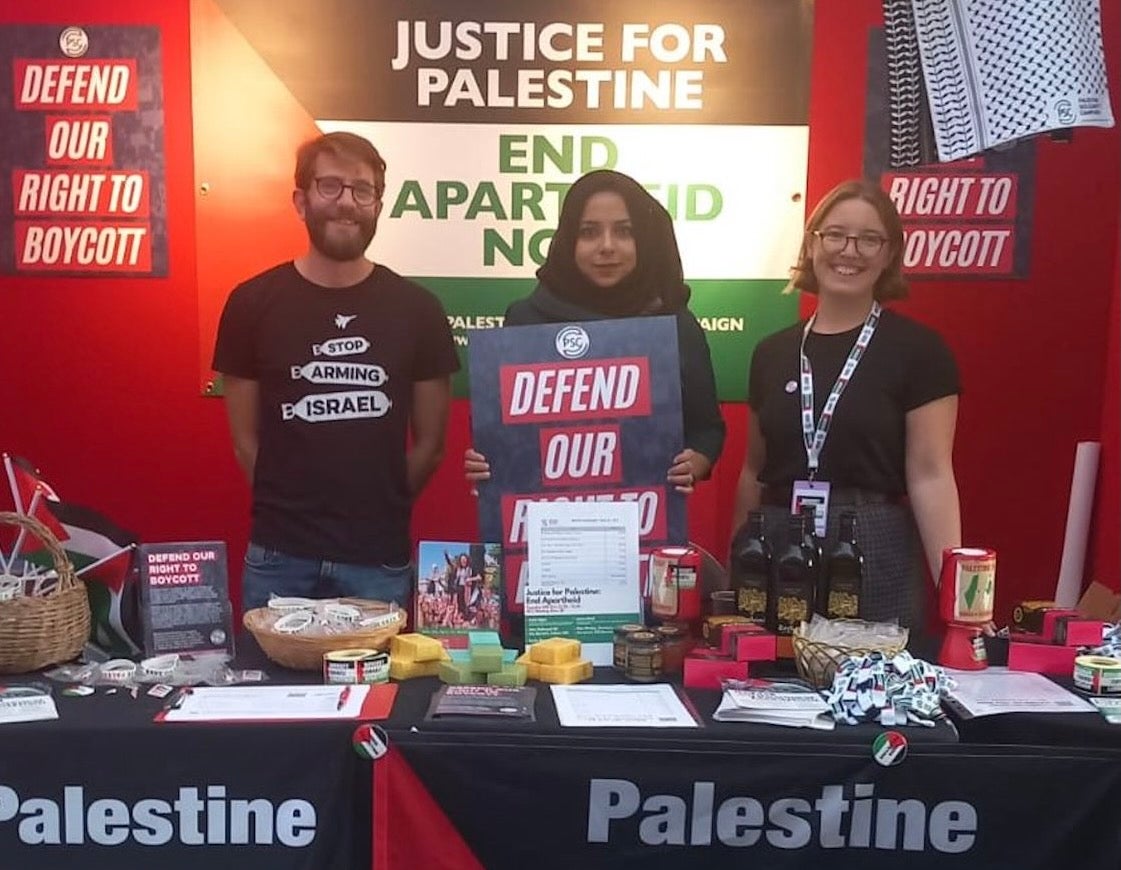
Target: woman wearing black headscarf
{"points": [[614, 254]]}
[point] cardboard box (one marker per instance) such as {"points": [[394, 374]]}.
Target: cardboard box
{"points": [[757, 645], [1078, 631], [704, 669], [1042, 658], [1100, 602]]}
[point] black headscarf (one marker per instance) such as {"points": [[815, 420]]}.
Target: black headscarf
{"points": [[657, 283]]}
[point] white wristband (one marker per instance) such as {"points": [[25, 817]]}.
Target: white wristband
{"points": [[290, 603], [118, 670], [160, 666], [342, 613], [292, 622]]}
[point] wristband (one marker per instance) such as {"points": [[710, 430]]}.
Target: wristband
{"points": [[382, 620], [159, 666], [118, 670], [290, 603], [293, 622], [341, 613]]}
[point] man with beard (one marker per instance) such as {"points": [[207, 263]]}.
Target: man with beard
{"points": [[329, 363]]}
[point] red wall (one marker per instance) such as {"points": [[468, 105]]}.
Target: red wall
{"points": [[100, 376]]}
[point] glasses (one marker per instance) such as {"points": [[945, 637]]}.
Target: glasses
{"points": [[867, 244], [363, 192]]}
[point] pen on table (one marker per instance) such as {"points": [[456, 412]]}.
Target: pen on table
{"points": [[176, 700], [343, 695]]}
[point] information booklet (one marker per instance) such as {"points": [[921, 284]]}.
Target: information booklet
{"points": [[459, 589], [766, 703], [184, 598], [505, 702]]}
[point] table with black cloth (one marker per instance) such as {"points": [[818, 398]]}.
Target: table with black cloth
{"points": [[1013, 790], [472, 792], [104, 786]]}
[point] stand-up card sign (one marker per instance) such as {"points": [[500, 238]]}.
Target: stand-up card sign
{"points": [[184, 598]]}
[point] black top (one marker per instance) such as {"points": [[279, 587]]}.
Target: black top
{"points": [[906, 366], [703, 425], [335, 368]]}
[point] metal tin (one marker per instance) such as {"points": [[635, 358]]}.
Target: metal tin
{"points": [[675, 583]]}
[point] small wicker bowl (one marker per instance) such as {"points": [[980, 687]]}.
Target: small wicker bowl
{"points": [[817, 662], [305, 652], [48, 629]]}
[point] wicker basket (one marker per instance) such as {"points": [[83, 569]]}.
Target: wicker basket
{"points": [[817, 661], [48, 629], [305, 652]]}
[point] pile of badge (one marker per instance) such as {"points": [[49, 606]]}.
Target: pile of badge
{"points": [[900, 690]]}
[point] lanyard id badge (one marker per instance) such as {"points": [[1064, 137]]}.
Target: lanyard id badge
{"points": [[813, 491]]}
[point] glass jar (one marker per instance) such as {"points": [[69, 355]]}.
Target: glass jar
{"points": [[619, 645], [675, 640], [644, 657]]}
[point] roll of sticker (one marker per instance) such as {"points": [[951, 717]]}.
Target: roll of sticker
{"points": [[342, 614], [118, 670], [347, 666], [289, 603], [293, 623], [160, 666], [1098, 675]]}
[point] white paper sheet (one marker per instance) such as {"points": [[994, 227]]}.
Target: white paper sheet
{"points": [[583, 572], [999, 690], [652, 705], [27, 708], [264, 703]]}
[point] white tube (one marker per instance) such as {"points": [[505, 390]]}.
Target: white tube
{"points": [[1069, 585]]}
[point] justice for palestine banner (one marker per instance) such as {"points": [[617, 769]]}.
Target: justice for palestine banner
{"points": [[486, 114]]}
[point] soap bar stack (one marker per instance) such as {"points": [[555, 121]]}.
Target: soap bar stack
{"points": [[483, 662], [415, 655], [556, 660]]}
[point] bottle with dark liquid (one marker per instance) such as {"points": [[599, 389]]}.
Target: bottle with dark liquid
{"points": [[846, 573], [794, 573], [751, 568], [811, 540]]}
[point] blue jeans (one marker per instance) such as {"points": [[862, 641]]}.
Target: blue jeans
{"points": [[270, 572]]}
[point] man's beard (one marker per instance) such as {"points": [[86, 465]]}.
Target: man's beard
{"points": [[338, 245]]}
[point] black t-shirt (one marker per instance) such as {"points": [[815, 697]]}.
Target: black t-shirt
{"points": [[905, 366], [335, 368]]}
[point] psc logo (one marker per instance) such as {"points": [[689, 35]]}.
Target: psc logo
{"points": [[572, 342], [1064, 111]]}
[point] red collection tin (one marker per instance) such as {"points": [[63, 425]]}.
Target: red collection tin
{"points": [[675, 583]]}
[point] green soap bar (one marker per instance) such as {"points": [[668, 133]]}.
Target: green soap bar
{"points": [[459, 655], [511, 675], [486, 659], [456, 674], [483, 638], [509, 656]]}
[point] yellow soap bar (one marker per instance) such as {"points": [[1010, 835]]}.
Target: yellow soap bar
{"points": [[416, 648], [555, 651], [400, 669], [532, 669], [569, 672]]}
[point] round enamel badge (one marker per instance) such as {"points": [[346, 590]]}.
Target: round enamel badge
{"points": [[889, 748]]}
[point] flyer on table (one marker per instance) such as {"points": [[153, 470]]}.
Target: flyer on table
{"points": [[583, 573]]}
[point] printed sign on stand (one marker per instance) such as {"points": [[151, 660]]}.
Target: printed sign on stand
{"points": [[184, 598]]}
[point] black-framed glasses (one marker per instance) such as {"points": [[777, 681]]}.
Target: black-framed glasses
{"points": [[330, 187], [834, 242]]}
